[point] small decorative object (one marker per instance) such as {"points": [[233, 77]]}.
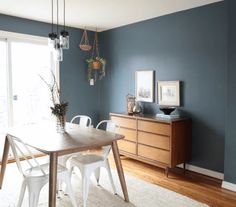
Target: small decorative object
{"points": [[130, 99], [84, 43], [59, 107], [167, 110], [168, 93], [137, 109], [96, 64], [144, 85]]}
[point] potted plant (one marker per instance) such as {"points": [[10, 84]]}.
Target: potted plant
{"points": [[96, 64]]}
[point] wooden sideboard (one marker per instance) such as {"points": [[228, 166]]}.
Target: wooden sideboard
{"points": [[160, 142]]}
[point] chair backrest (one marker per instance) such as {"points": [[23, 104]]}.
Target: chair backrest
{"points": [[22, 152], [109, 126], [82, 120]]}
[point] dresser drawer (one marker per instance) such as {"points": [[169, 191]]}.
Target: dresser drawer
{"points": [[154, 140], [153, 127], [130, 134], [127, 146], [124, 122], [154, 154]]}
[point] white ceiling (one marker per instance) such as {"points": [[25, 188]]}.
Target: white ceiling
{"points": [[103, 14]]}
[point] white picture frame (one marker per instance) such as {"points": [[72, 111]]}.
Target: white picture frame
{"points": [[168, 93], [144, 85]]}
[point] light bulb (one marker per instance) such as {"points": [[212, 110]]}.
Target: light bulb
{"points": [[52, 40], [64, 39], [58, 52]]}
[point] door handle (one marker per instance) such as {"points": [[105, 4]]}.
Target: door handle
{"points": [[15, 97]]}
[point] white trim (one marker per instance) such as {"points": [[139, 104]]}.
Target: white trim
{"points": [[23, 37], [9, 85], [229, 186], [203, 171], [13, 36]]}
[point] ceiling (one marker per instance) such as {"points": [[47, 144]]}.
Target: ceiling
{"points": [[100, 14]]}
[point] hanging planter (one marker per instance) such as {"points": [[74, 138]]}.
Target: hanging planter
{"points": [[96, 64], [84, 42]]}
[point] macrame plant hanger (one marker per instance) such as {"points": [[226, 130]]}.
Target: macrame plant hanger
{"points": [[95, 53], [84, 43]]}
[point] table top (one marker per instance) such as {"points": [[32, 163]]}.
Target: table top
{"points": [[45, 138]]}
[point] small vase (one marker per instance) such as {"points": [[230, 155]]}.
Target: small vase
{"points": [[60, 124]]}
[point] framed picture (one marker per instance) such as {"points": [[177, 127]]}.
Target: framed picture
{"points": [[168, 93], [144, 85]]}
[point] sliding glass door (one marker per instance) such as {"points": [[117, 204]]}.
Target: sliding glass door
{"points": [[24, 97], [30, 95]]}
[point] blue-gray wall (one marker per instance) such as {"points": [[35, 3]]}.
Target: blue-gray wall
{"points": [[230, 138], [190, 46], [82, 98]]}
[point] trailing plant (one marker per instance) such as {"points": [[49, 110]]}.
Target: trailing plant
{"points": [[92, 73], [96, 64]]}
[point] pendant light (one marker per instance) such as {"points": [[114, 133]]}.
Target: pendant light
{"points": [[59, 52], [52, 36], [64, 35], [58, 43]]}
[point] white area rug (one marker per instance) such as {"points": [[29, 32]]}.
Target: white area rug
{"points": [[141, 193]]}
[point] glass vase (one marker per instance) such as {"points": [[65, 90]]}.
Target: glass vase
{"points": [[60, 124]]}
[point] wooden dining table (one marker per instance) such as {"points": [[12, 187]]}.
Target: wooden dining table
{"points": [[45, 139]]}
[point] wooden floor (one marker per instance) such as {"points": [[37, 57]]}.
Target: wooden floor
{"points": [[201, 188]]}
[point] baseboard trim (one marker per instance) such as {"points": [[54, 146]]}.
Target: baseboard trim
{"points": [[204, 171], [229, 186]]}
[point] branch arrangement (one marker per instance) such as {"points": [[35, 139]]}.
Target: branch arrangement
{"points": [[59, 107]]}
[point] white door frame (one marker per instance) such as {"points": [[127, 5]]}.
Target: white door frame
{"points": [[9, 37]]}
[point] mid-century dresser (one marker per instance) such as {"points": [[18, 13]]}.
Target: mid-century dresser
{"points": [[160, 142]]}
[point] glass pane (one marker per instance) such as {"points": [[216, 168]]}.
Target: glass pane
{"points": [[3, 93], [31, 97]]}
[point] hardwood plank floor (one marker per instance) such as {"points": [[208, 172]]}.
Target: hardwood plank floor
{"points": [[199, 187]]}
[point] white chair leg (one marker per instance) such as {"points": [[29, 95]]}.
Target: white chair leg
{"points": [[22, 193], [70, 192], [110, 176], [85, 186], [67, 180], [97, 175], [34, 191], [33, 198]]}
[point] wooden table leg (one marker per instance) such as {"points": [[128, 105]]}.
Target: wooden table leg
{"points": [[120, 170], [4, 160], [52, 180], [167, 171]]}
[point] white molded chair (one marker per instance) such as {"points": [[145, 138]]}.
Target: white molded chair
{"points": [[36, 175], [90, 163], [83, 120]]}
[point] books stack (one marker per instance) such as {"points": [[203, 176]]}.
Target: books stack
{"points": [[171, 116]]}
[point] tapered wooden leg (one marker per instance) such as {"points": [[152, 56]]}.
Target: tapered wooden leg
{"points": [[167, 171], [184, 165], [52, 180], [120, 170], [4, 160]]}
